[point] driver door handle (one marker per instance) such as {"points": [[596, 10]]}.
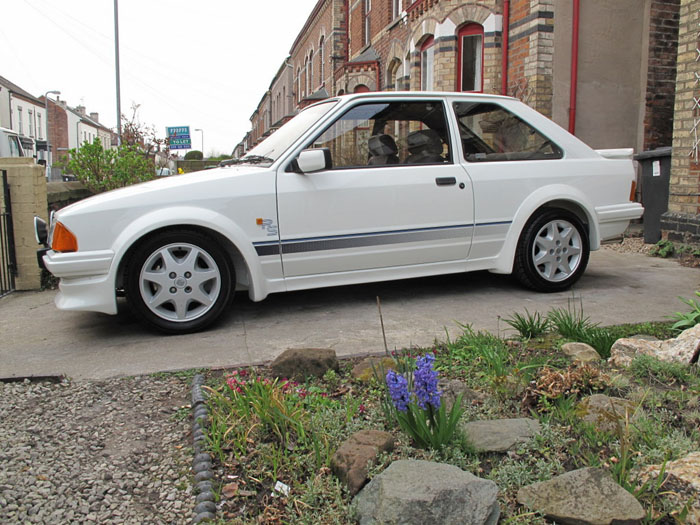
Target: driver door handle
{"points": [[446, 181]]}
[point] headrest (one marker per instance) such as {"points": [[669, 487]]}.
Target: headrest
{"points": [[382, 145], [425, 140]]}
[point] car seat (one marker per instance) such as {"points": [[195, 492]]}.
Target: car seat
{"points": [[382, 150], [424, 147]]}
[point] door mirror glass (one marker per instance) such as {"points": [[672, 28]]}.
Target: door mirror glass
{"points": [[311, 160]]}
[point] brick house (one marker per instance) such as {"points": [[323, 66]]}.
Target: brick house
{"points": [[624, 80]]}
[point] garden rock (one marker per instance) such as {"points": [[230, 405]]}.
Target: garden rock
{"points": [[300, 363], [372, 367], [608, 414], [452, 388], [581, 497], [681, 478], [682, 349], [354, 457], [500, 435], [581, 352], [413, 492]]}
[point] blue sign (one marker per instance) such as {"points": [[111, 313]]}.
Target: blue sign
{"points": [[179, 137]]}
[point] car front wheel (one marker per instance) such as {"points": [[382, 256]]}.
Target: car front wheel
{"points": [[179, 281], [552, 252]]}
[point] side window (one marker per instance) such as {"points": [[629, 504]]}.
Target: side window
{"points": [[490, 133], [388, 133]]}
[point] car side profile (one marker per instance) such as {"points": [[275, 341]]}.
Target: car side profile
{"points": [[354, 189]]}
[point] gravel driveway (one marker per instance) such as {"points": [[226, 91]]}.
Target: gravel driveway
{"points": [[112, 451]]}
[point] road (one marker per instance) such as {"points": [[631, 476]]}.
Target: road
{"points": [[38, 339]]}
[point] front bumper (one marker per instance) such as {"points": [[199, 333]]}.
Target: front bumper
{"points": [[86, 280]]}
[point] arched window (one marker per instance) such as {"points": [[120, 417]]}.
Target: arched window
{"points": [[311, 72], [361, 88], [306, 76], [470, 59], [393, 74], [321, 68], [427, 64], [298, 84]]}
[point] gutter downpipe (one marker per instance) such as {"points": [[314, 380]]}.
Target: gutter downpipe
{"points": [[504, 47], [574, 67]]}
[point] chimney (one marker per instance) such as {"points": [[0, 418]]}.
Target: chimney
{"points": [[95, 117], [81, 110]]}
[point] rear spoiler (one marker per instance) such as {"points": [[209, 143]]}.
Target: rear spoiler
{"points": [[620, 153]]}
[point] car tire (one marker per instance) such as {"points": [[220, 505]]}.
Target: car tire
{"points": [[179, 281], [552, 251]]}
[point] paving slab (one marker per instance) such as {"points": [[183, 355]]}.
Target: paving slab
{"points": [[38, 339]]}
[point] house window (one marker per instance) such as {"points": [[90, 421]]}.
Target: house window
{"points": [[471, 58], [396, 9], [368, 8], [427, 64], [321, 68], [30, 120], [39, 127], [311, 71], [19, 121]]}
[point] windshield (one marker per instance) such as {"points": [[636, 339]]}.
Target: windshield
{"points": [[272, 147]]}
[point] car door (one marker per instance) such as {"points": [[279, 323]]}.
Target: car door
{"points": [[394, 197]]}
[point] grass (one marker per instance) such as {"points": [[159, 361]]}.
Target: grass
{"points": [[270, 431]]}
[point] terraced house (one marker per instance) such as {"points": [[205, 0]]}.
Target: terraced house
{"points": [[604, 70]]}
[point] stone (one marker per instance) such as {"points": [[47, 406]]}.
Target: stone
{"points": [[351, 461], [452, 388], [587, 496], [681, 481], [681, 349], [370, 367], [500, 435], [301, 363], [581, 352], [412, 492], [608, 414]]}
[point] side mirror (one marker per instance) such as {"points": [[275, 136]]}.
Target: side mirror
{"points": [[311, 160]]}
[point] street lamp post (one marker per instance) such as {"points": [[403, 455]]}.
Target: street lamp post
{"points": [[202, 131], [48, 140]]}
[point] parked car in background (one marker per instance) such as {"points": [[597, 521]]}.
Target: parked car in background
{"points": [[10, 145], [354, 189], [163, 172]]}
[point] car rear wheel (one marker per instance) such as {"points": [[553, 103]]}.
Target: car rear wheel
{"points": [[179, 281], [553, 251]]}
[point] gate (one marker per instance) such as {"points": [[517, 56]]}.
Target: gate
{"points": [[8, 262]]}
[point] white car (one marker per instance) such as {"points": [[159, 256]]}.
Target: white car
{"points": [[354, 189]]}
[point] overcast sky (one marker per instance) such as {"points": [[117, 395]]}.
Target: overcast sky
{"points": [[199, 63]]}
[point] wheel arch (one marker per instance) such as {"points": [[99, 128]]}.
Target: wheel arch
{"points": [[242, 257], [565, 198]]}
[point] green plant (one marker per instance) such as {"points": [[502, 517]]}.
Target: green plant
{"points": [[689, 319], [570, 322], [529, 325], [418, 410], [649, 368], [106, 169], [664, 249], [599, 338], [194, 155]]}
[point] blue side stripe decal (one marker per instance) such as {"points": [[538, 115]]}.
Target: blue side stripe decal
{"points": [[356, 240]]}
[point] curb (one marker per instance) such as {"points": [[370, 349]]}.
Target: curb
{"points": [[205, 507]]}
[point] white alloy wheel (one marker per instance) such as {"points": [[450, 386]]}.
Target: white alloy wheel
{"points": [[556, 252], [180, 282]]}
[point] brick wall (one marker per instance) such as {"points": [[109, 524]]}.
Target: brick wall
{"points": [[28, 193], [661, 78], [684, 198], [530, 53]]}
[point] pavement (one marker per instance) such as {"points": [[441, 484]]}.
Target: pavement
{"points": [[37, 339]]}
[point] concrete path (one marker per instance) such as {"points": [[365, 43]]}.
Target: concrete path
{"points": [[38, 339]]}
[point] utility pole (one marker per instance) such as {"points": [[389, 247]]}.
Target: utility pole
{"points": [[116, 65]]}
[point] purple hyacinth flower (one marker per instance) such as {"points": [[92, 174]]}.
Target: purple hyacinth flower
{"points": [[398, 390]]}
